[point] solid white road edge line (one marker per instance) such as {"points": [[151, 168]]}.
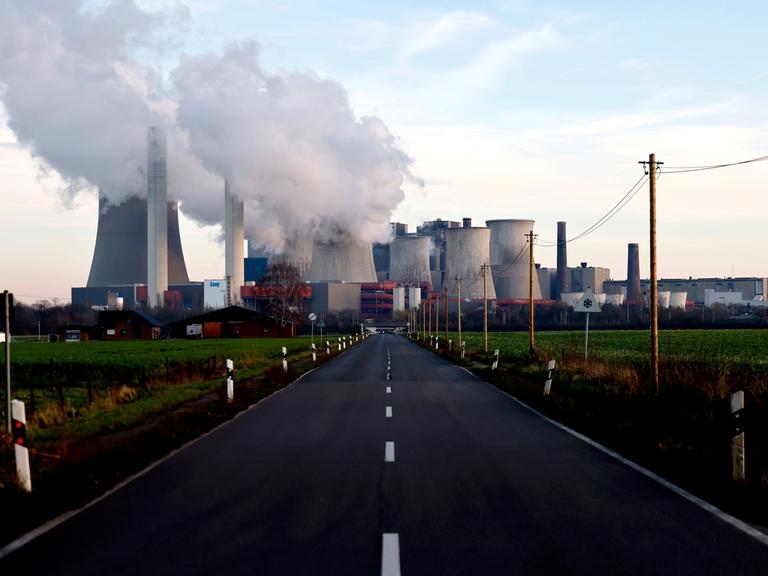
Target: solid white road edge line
{"points": [[389, 389], [390, 554], [724, 516], [389, 452]]}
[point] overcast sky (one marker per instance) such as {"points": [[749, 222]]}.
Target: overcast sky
{"points": [[509, 109]]}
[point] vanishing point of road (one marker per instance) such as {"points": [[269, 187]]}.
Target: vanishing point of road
{"points": [[431, 472]]}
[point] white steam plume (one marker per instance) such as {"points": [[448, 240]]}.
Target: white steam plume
{"points": [[291, 147]]}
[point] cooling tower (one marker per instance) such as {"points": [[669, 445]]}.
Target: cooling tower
{"points": [[157, 217], [297, 253], [409, 259], [342, 260], [234, 263], [120, 255], [561, 283], [633, 273], [510, 258], [678, 299], [466, 250]]}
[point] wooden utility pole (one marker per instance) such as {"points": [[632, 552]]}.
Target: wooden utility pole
{"points": [[445, 295], [653, 300], [429, 322], [458, 300], [531, 270], [7, 304], [437, 316], [484, 269]]}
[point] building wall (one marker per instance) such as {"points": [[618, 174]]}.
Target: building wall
{"points": [[592, 277], [750, 287], [335, 297]]}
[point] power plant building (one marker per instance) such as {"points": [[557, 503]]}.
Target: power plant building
{"points": [[409, 259], [510, 259], [342, 260], [466, 251]]}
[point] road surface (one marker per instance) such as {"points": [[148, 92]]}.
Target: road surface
{"points": [[430, 473]]}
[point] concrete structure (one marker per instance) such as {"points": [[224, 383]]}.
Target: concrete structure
{"points": [[633, 273], [409, 259], [435, 229], [157, 216], [189, 295], [678, 299], [381, 251], [467, 249], [561, 283], [234, 266], [398, 298], [120, 253], [341, 260], [592, 277], [414, 297], [751, 288], [615, 299], [297, 252], [571, 298], [547, 282], [510, 259], [335, 297], [712, 297]]}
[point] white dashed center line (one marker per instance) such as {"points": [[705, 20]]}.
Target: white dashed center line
{"points": [[389, 412], [389, 452], [390, 555]]}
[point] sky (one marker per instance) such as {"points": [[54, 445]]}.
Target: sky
{"points": [[508, 109]]}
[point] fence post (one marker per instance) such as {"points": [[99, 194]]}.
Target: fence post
{"points": [[737, 442], [548, 381], [19, 428], [230, 381], [285, 359]]}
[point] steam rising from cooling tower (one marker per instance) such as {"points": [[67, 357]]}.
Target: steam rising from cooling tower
{"points": [[342, 260], [510, 258], [288, 143], [297, 252], [467, 249], [409, 259]]}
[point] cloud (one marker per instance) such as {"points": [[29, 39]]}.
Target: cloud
{"points": [[425, 36]]}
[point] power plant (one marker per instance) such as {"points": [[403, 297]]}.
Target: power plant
{"points": [[138, 261], [510, 259]]}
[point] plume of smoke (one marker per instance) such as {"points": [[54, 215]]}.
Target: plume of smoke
{"points": [[291, 147]]}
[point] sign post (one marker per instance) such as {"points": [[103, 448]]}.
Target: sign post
{"points": [[588, 304], [312, 318]]}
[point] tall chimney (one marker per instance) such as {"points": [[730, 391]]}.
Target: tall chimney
{"points": [[467, 223], [633, 273], [157, 217], [233, 243], [561, 284]]}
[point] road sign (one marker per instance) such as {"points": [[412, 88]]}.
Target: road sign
{"points": [[312, 317], [587, 303], [321, 324]]}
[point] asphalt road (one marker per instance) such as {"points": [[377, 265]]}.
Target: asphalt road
{"points": [[429, 473]]}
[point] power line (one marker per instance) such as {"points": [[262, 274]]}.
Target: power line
{"points": [[636, 187], [683, 169]]}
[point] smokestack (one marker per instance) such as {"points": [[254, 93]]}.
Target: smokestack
{"points": [[467, 223], [561, 284], [633, 273], [157, 216], [233, 243]]}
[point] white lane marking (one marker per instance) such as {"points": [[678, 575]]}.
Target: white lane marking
{"points": [[389, 452], [389, 389], [714, 510], [389, 412], [390, 554]]}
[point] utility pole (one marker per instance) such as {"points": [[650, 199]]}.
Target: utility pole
{"points": [[7, 306], [484, 270], [458, 300], [531, 338], [445, 294], [654, 297], [437, 316], [429, 303]]}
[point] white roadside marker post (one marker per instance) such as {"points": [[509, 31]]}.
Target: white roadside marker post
{"points": [[339, 344], [463, 348], [495, 364], [738, 453], [548, 381], [21, 452], [285, 359], [450, 343], [230, 381], [314, 353], [328, 347]]}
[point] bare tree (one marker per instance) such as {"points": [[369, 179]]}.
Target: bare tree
{"points": [[284, 293]]}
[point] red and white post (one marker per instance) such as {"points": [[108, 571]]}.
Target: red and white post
{"points": [[230, 381], [19, 427]]}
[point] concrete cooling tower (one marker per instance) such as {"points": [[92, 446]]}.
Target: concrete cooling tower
{"points": [[120, 255], [297, 253], [342, 260], [409, 259], [467, 249], [510, 259]]}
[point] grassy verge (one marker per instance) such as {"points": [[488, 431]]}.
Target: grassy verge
{"points": [[80, 450], [682, 433]]}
